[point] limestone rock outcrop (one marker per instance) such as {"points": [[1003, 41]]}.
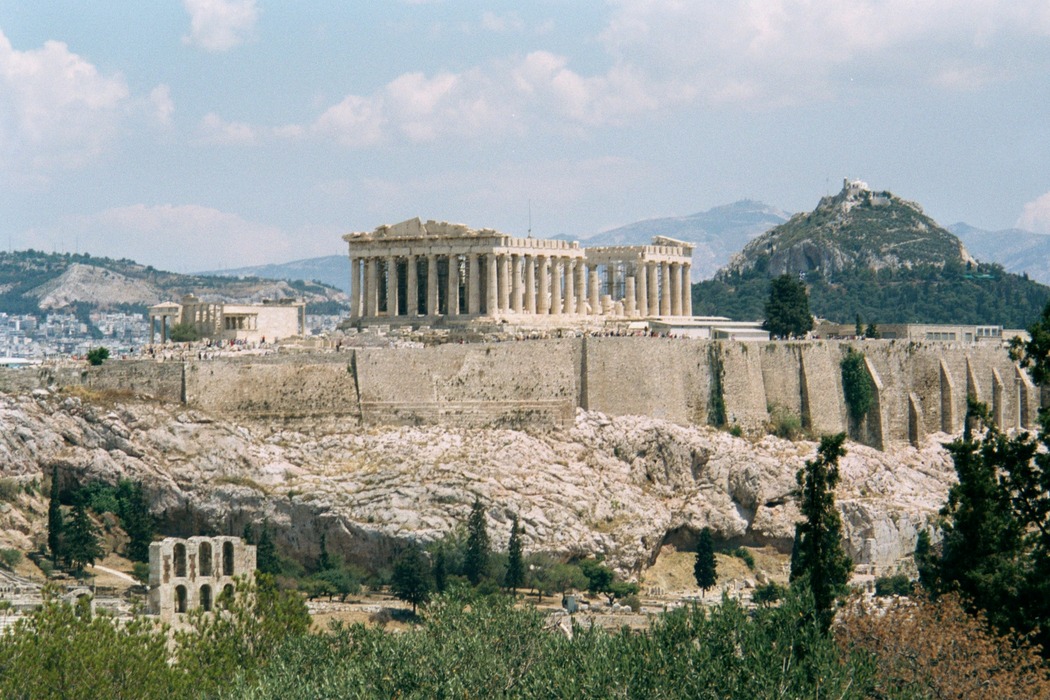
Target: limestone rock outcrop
{"points": [[620, 486]]}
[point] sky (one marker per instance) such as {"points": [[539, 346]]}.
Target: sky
{"points": [[210, 134]]}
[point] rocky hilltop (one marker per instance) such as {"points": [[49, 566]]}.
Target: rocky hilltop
{"points": [[854, 228], [621, 486]]}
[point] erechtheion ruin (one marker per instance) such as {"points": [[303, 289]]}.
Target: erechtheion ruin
{"points": [[271, 320], [185, 574], [414, 270]]}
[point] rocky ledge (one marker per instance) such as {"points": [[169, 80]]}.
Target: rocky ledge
{"points": [[622, 487]]}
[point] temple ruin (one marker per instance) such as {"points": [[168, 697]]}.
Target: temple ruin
{"points": [[186, 574], [414, 271], [251, 323]]}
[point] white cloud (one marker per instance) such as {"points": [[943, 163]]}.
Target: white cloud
{"points": [[173, 237], [778, 51], [214, 130], [56, 110], [163, 105], [220, 25], [509, 22], [1036, 215]]}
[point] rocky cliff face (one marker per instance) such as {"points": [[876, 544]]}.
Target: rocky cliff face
{"points": [[619, 486]]}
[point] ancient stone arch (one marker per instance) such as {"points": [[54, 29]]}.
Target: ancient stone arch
{"points": [[184, 576]]}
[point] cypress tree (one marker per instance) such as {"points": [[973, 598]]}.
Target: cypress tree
{"points": [[324, 561], [515, 564], [266, 559], [55, 522], [136, 519], [817, 558], [82, 547], [705, 570], [476, 559]]}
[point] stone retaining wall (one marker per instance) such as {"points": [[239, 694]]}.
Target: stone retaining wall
{"points": [[537, 385]]}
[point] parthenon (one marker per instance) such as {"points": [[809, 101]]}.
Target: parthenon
{"points": [[414, 270]]}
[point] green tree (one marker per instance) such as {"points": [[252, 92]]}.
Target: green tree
{"points": [[817, 558], [440, 570], [515, 563], [476, 558], [82, 545], [324, 561], [787, 310], [55, 522], [705, 569], [266, 559], [96, 356], [857, 385], [133, 509], [412, 581], [183, 333]]}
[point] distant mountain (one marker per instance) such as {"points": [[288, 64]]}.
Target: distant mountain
{"points": [[333, 270], [33, 282], [717, 233], [1017, 250], [877, 256]]}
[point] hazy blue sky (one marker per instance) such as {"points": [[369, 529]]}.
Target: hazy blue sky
{"points": [[196, 134]]}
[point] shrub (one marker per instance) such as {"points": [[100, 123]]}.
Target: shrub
{"points": [[743, 555], [768, 593], [183, 333], [96, 356], [9, 489], [10, 558], [893, 585], [140, 570], [784, 423]]}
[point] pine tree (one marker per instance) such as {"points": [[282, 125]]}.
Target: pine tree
{"points": [[705, 569], [787, 310], [82, 546], [411, 580], [515, 564], [817, 558], [476, 559], [55, 522]]}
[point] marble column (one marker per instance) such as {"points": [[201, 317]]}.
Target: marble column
{"points": [[570, 286], [676, 289], [556, 285], [412, 286], [355, 288], [629, 306], [581, 286], [610, 280], [654, 289], [543, 304], [642, 289], [665, 289], [503, 261], [473, 285], [373, 287], [491, 285], [391, 286], [530, 284], [687, 292], [516, 291], [596, 293], [453, 285], [432, 285]]}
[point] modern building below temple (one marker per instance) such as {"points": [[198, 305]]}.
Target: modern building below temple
{"points": [[422, 272]]}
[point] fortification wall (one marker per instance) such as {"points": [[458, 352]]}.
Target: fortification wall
{"points": [[528, 384], [538, 385], [659, 377], [295, 387]]}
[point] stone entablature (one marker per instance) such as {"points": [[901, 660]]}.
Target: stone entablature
{"points": [[414, 270], [186, 574]]}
